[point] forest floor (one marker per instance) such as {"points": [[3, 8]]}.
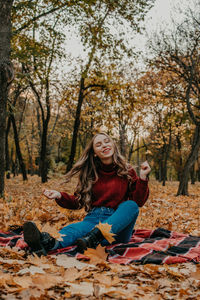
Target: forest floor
{"points": [[63, 277]]}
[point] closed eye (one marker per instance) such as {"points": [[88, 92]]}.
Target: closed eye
{"points": [[106, 140], [98, 144]]}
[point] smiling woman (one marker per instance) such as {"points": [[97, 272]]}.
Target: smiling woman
{"points": [[110, 191], [103, 148]]}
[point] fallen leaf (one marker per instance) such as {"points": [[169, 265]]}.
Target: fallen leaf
{"points": [[105, 229], [42, 261], [83, 288], [30, 293], [106, 280], [196, 275], [46, 281], [97, 255], [32, 270], [69, 262], [25, 281], [12, 261], [71, 274]]}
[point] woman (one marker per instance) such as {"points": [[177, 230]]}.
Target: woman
{"points": [[110, 191]]}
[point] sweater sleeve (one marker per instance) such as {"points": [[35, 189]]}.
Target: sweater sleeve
{"points": [[139, 190], [68, 201]]}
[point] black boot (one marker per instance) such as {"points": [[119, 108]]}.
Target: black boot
{"points": [[39, 242], [91, 240]]}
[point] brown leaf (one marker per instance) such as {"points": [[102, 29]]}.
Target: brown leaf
{"points": [[46, 281], [71, 274], [97, 255], [83, 288], [174, 272], [70, 262], [32, 270], [196, 275], [25, 281], [106, 280]]}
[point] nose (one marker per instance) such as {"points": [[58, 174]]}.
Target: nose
{"points": [[104, 145]]}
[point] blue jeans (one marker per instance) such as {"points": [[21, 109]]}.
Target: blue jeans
{"points": [[122, 220]]}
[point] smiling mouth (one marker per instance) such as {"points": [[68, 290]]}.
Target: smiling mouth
{"points": [[106, 150]]}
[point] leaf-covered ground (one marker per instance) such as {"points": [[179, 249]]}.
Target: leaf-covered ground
{"points": [[64, 277]]}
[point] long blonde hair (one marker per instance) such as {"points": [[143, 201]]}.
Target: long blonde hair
{"points": [[87, 167]]}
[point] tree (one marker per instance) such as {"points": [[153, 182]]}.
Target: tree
{"points": [[12, 120], [42, 88], [6, 69], [43, 46], [6, 76], [167, 122]]}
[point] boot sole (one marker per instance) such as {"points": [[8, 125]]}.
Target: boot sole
{"points": [[32, 237], [81, 245]]}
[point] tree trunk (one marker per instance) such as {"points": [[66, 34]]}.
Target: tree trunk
{"points": [[43, 154], [192, 175], [160, 170], [198, 170], [167, 151], [30, 159], [156, 172], [18, 150], [198, 174], [43, 161], [131, 150], [17, 93], [122, 135], [6, 76], [7, 150], [76, 126], [164, 175], [138, 156], [58, 159], [179, 145], [44, 164], [183, 184]]}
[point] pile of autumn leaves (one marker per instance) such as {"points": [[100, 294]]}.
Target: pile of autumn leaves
{"points": [[63, 277]]}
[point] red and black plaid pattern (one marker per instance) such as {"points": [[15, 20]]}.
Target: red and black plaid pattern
{"points": [[157, 246]]}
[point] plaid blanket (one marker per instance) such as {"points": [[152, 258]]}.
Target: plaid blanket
{"points": [[157, 246]]}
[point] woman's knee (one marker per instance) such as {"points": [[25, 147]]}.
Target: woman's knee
{"points": [[131, 205]]}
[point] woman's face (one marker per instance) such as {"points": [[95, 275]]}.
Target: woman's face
{"points": [[103, 147]]}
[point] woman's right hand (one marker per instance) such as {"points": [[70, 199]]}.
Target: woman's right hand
{"points": [[52, 194]]}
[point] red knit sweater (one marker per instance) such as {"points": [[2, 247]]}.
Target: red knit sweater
{"points": [[110, 190]]}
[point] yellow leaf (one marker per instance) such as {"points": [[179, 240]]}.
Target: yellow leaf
{"points": [[105, 230]]}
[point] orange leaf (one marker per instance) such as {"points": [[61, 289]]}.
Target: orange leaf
{"points": [[105, 230], [96, 256]]}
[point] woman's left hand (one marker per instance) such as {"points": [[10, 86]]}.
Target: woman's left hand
{"points": [[145, 170]]}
